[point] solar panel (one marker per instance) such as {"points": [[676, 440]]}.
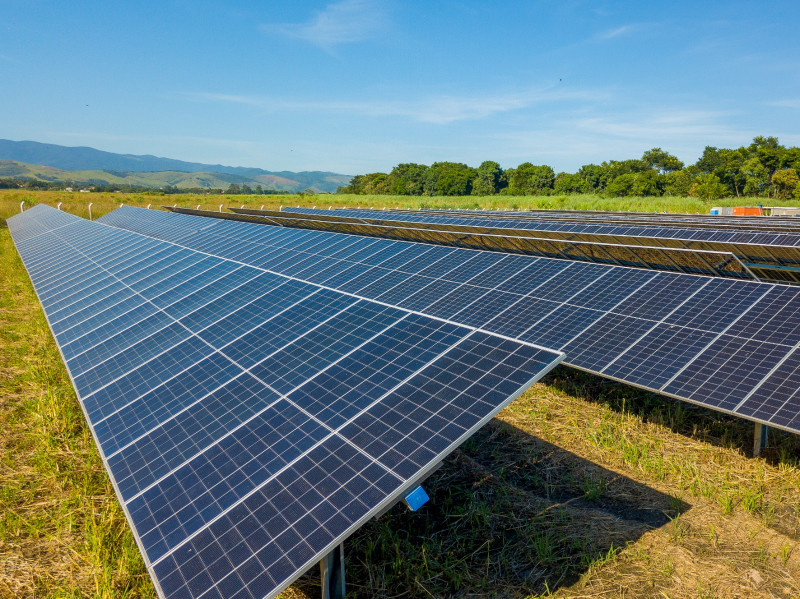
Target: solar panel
{"points": [[636, 256], [250, 421], [703, 221], [721, 343], [769, 255]]}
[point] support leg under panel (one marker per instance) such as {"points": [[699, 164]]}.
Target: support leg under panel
{"points": [[331, 569], [759, 438]]}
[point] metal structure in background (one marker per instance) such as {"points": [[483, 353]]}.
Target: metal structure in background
{"points": [[702, 221], [707, 263], [770, 256]]}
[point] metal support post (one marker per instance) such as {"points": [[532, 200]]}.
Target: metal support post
{"points": [[759, 438], [22, 206], [90, 210], [331, 570]]}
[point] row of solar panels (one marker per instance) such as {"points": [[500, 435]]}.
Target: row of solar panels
{"points": [[767, 256], [257, 392], [251, 420], [671, 259], [703, 221], [719, 342]]}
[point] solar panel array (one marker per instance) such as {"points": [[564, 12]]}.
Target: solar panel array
{"points": [[730, 345], [706, 221], [638, 256], [250, 420], [773, 256]]}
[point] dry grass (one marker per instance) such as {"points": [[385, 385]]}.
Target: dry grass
{"points": [[581, 488]]}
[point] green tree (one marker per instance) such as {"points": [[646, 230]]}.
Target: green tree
{"points": [[407, 179], [594, 176], [488, 177], [785, 181], [661, 161], [678, 183], [567, 183], [707, 187], [710, 161], [375, 183], [449, 179], [756, 177], [529, 179], [768, 151], [730, 169], [634, 184]]}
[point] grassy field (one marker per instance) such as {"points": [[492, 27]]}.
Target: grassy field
{"points": [[581, 488]]}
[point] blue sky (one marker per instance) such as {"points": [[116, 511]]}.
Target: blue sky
{"points": [[360, 85]]}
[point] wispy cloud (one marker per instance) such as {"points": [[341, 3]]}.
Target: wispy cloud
{"points": [[569, 140], [610, 34], [439, 110], [343, 22], [785, 103]]}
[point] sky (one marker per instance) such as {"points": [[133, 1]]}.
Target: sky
{"points": [[359, 86]]}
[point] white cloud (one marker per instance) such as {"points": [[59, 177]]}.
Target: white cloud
{"points": [[567, 141], [344, 22], [439, 110], [610, 34], [786, 103]]}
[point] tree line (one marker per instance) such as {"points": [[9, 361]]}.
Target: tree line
{"points": [[765, 168]]}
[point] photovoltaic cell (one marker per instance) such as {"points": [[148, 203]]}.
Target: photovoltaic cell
{"points": [[232, 405]]}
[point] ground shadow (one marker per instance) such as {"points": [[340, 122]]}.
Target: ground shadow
{"points": [[683, 418], [510, 515]]}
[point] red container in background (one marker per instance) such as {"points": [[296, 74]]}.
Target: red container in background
{"points": [[748, 211]]}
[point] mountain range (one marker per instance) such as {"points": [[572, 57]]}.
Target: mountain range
{"points": [[84, 165]]}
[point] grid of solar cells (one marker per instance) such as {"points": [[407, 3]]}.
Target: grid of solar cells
{"points": [[660, 258], [758, 247], [671, 333], [250, 421], [746, 223]]}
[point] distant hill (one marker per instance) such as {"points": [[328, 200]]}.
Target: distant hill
{"points": [[96, 166]]}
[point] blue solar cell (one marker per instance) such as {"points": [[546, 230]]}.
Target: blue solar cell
{"points": [[659, 355], [145, 413], [449, 304], [324, 345], [717, 305], [256, 313], [151, 373], [142, 463], [505, 313], [555, 329], [525, 281], [259, 343], [725, 373]]}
